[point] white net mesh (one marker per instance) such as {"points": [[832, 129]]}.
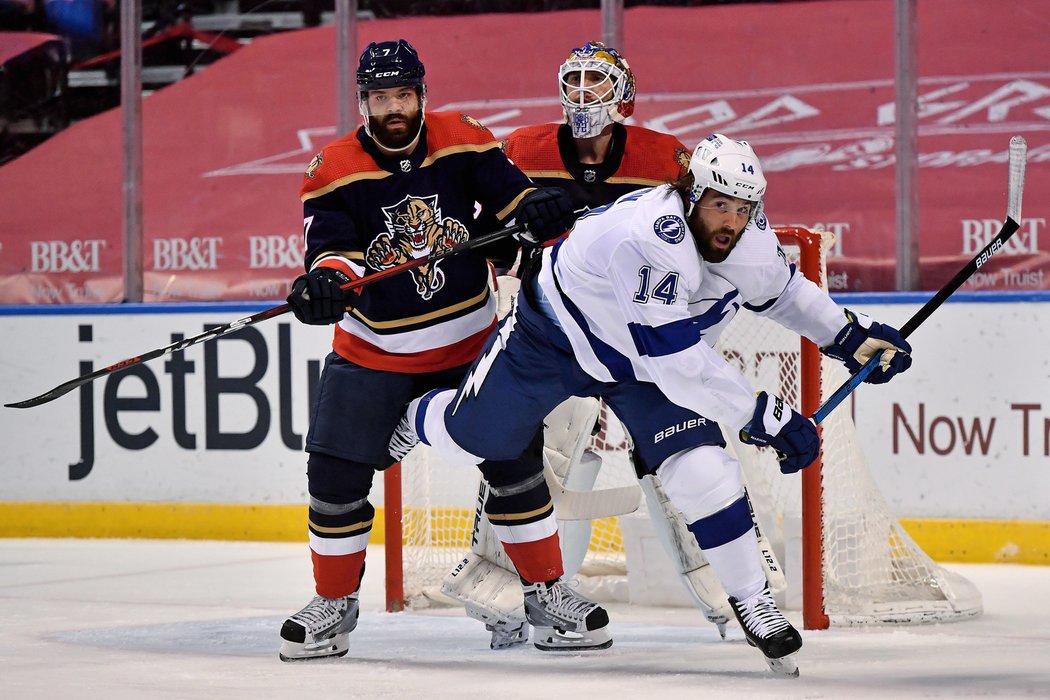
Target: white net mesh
{"points": [[872, 570]]}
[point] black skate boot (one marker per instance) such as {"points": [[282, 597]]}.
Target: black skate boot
{"points": [[766, 628]]}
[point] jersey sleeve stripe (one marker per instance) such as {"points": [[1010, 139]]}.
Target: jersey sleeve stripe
{"points": [[668, 339]]}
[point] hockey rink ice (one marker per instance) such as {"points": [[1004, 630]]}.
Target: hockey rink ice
{"points": [[189, 619]]}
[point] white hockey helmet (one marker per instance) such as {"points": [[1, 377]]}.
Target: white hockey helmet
{"points": [[589, 110], [727, 166]]}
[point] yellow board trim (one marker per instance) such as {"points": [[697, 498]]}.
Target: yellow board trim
{"points": [[946, 540], [982, 541]]}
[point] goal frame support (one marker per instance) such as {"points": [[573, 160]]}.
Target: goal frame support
{"points": [[813, 614]]}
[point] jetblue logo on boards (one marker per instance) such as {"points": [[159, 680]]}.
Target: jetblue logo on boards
{"points": [[670, 228]]}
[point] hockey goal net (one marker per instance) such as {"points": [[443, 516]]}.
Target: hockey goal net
{"points": [[846, 557]]}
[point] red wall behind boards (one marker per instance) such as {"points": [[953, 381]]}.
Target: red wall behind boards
{"points": [[810, 84]]}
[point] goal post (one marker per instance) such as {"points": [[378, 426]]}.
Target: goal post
{"points": [[848, 560]]}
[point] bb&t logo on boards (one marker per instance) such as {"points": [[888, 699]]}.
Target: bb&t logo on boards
{"points": [[65, 256], [172, 254], [977, 233], [275, 252]]}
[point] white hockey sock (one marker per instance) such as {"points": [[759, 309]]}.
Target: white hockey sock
{"points": [[738, 564], [432, 430]]}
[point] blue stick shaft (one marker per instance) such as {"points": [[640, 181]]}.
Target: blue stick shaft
{"points": [[846, 389], [994, 246]]}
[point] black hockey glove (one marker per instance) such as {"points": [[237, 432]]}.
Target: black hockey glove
{"points": [[317, 297], [861, 338], [546, 214], [777, 425]]}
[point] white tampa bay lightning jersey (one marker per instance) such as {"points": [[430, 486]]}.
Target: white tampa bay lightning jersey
{"points": [[636, 300]]}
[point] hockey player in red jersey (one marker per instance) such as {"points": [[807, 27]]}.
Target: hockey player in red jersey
{"points": [[400, 187], [593, 155]]}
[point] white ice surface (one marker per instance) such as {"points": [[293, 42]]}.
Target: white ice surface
{"points": [[121, 619]]}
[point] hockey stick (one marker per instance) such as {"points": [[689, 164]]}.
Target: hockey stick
{"points": [[590, 505], [240, 323], [1018, 154]]}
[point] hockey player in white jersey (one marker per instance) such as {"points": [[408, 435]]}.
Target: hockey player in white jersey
{"points": [[628, 308]]}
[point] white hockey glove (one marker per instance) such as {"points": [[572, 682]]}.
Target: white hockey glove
{"points": [[861, 338]]}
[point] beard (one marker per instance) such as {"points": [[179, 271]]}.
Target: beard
{"points": [[399, 136], [712, 245]]}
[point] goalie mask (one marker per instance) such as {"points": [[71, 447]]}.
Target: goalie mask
{"points": [[727, 166], [385, 65], [597, 89]]}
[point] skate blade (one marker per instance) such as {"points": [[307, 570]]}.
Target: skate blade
{"points": [[784, 666], [506, 638], [328, 649], [553, 639]]}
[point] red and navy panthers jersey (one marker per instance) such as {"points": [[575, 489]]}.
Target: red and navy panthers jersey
{"points": [[366, 212], [638, 158]]}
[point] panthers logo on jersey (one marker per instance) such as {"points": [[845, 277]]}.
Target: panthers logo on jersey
{"points": [[315, 163], [415, 229], [472, 121]]}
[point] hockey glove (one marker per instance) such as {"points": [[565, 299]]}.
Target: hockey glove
{"points": [[777, 425], [545, 213], [861, 338], [317, 297]]}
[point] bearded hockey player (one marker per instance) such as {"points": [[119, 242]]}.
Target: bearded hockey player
{"points": [[628, 308]]}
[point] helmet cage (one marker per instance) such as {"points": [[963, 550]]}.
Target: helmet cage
{"points": [[597, 106], [730, 167]]}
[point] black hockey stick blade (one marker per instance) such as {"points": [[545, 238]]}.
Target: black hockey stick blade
{"points": [[994, 246]]}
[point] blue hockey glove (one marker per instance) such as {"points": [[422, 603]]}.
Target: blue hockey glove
{"points": [[861, 338], [317, 297], [777, 425], [546, 214]]}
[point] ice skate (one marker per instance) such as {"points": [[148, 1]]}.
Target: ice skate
{"points": [[403, 439], [564, 620], [320, 630], [506, 632], [766, 628]]}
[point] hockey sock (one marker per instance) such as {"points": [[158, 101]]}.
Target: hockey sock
{"points": [[730, 545]]}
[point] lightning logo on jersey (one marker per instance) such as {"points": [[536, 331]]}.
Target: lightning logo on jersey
{"points": [[473, 381]]}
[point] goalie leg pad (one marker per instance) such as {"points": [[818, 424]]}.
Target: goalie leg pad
{"points": [[566, 431], [699, 579], [492, 595]]}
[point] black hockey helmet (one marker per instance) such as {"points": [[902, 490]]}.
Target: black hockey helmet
{"points": [[389, 64]]}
